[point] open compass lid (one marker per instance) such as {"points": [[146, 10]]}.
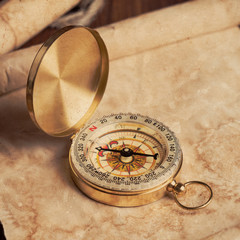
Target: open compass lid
{"points": [[67, 80]]}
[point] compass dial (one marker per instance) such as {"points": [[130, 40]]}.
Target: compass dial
{"points": [[125, 152]]}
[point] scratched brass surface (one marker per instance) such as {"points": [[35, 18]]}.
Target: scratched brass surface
{"points": [[67, 80]]}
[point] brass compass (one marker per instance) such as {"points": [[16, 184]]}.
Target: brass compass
{"points": [[121, 159]]}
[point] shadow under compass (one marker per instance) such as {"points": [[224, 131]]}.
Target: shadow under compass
{"points": [[25, 148]]}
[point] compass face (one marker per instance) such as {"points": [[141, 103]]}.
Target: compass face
{"points": [[126, 152]]}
